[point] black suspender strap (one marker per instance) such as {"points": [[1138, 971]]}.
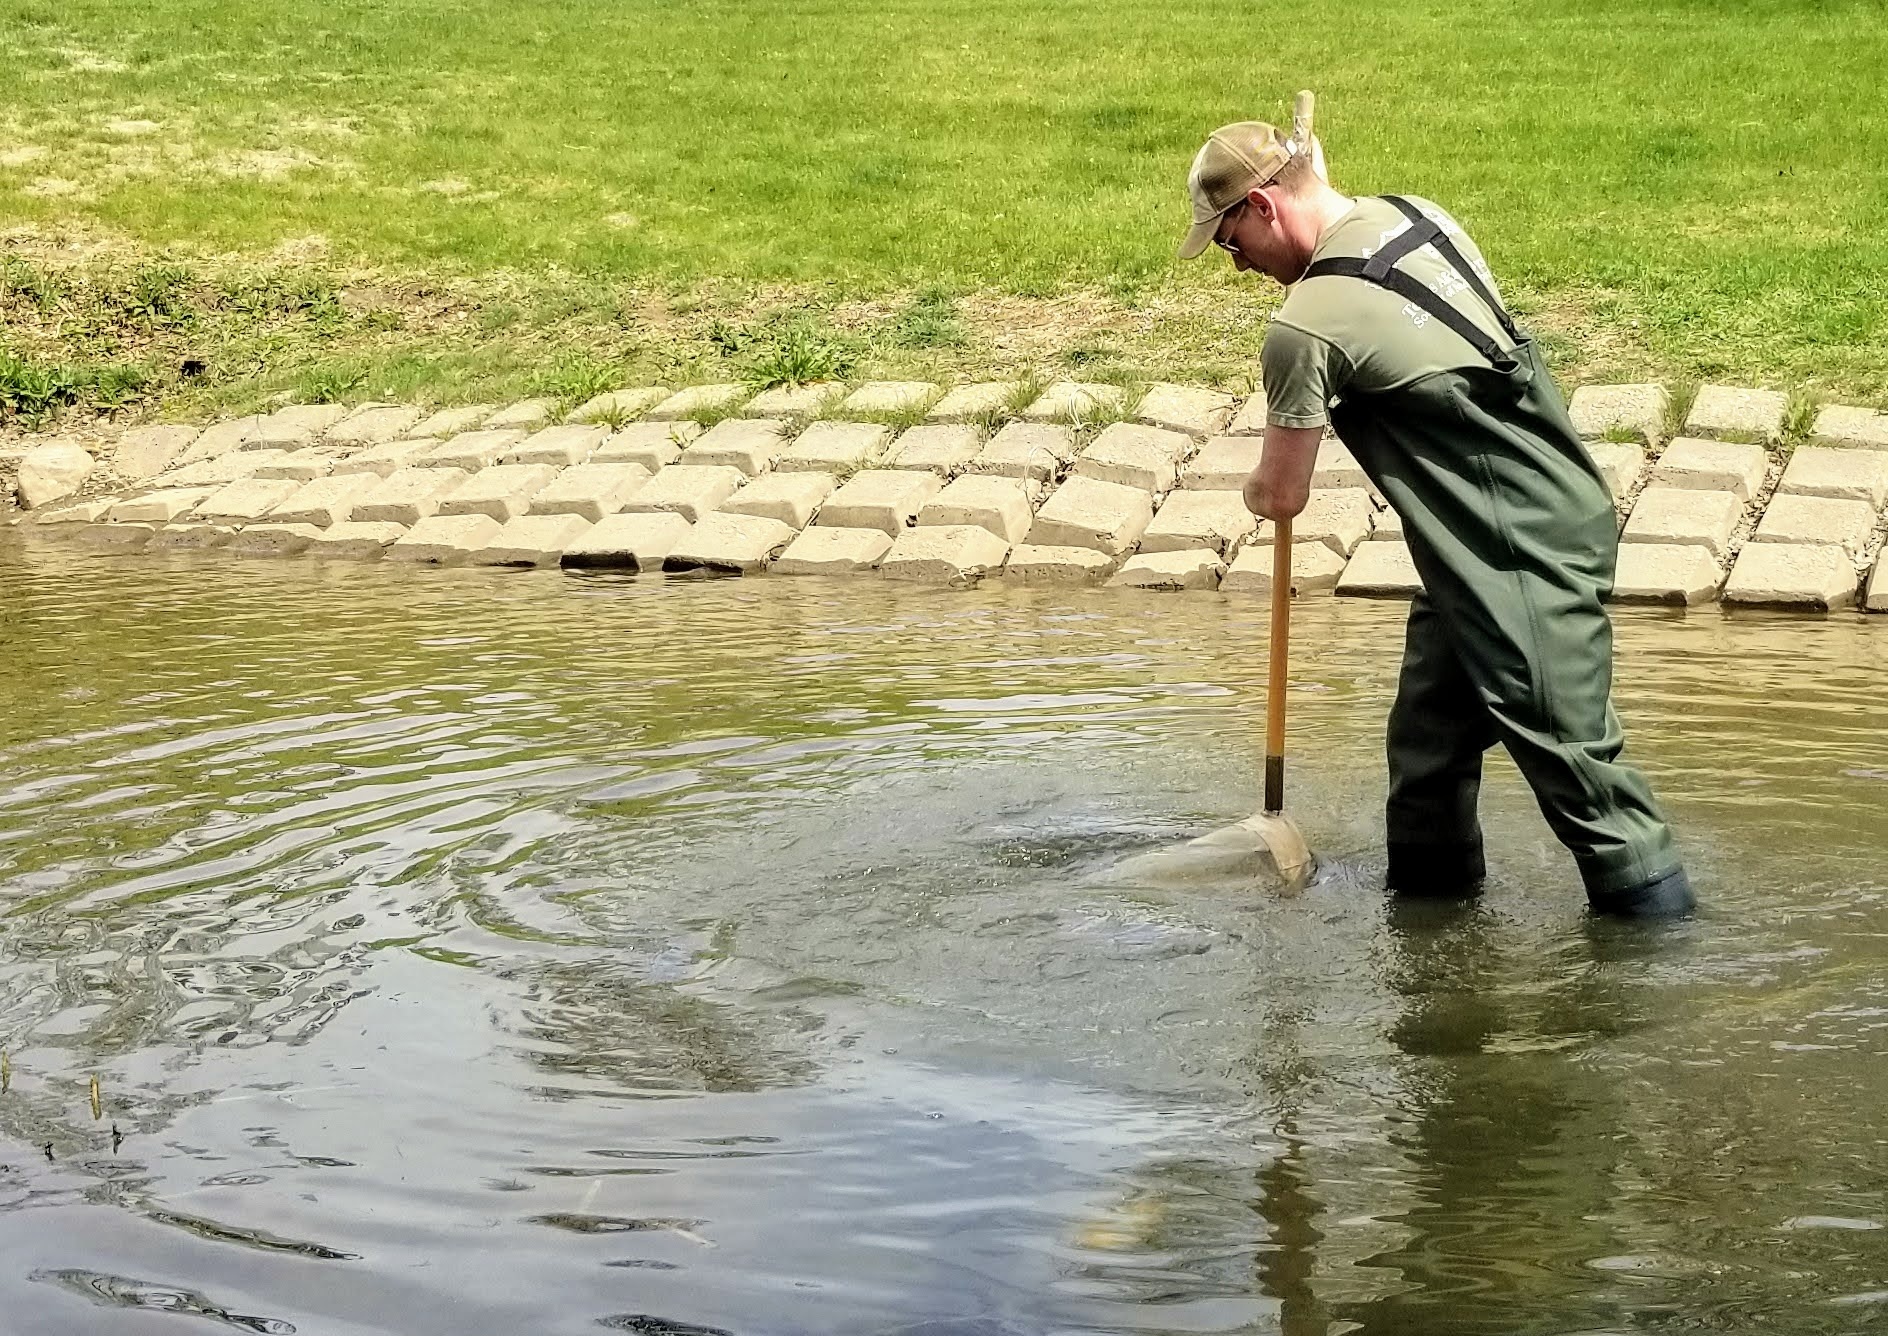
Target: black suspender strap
{"points": [[1419, 294], [1449, 251]]}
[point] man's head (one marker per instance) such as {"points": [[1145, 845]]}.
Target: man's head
{"points": [[1260, 195]]}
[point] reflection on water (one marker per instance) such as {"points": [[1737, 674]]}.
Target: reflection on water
{"points": [[471, 951]]}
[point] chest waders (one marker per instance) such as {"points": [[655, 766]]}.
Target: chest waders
{"points": [[1513, 531]]}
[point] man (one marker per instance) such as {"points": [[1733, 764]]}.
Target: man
{"points": [[1393, 334]]}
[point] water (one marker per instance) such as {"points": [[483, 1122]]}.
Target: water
{"points": [[470, 952]]}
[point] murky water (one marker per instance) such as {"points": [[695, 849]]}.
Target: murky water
{"points": [[466, 952]]}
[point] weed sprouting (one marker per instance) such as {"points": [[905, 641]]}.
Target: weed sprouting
{"points": [[799, 353]]}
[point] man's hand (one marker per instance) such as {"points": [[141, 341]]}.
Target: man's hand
{"points": [[1279, 487]]}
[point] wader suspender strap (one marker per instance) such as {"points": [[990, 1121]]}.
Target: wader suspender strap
{"points": [[1381, 270]]}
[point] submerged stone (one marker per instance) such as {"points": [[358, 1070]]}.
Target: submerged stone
{"points": [[949, 554], [116, 537], [1819, 576], [1037, 564], [1195, 568], [273, 540], [352, 541], [638, 542], [729, 545], [191, 537], [827, 551]]}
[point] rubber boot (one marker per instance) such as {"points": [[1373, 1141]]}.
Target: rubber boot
{"points": [[1436, 871], [1668, 896]]}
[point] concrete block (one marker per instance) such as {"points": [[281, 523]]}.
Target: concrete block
{"points": [[824, 551], [1195, 568], [159, 507], [1218, 521], [1035, 564], [246, 500], [1681, 515], [309, 462], [1076, 402], [77, 512], [1601, 410], [115, 537], [1712, 466], [1816, 519], [1034, 450], [191, 537], [557, 446], [943, 448], [835, 447], [1676, 573], [1144, 457], [1340, 518], [504, 491], [323, 501], [1377, 570], [451, 421], [945, 554], [527, 415], [1620, 465], [1787, 575], [888, 398], [973, 403], [1250, 419], [1841, 425], [653, 445], [1197, 412], [407, 496], [349, 541], [1337, 467], [532, 540], [145, 452], [51, 472], [1848, 474], [472, 450], [223, 468], [385, 460], [273, 540], [636, 542], [1314, 567], [1723, 410], [619, 405], [295, 426], [689, 490], [444, 540], [885, 499], [1878, 586], [751, 445], [729, 545], [1001, 505], [791, 498], [698, 400], [219, 438], [375, 424], [1223, 464], [591, 490], [1085, 512], [1389, 526], [787, 401]]}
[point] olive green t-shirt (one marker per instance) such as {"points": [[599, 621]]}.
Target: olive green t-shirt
{"points": [[1337, 335]]}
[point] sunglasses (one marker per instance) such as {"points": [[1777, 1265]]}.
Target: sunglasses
{"points": [[1220, 237]]}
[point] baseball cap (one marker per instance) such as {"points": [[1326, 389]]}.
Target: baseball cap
{"points": [[1236, 159]]}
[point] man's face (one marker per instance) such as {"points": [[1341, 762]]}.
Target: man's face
{"points": [[1258, 234]]}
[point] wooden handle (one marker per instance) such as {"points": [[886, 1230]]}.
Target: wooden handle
{"points": [[1301, 108], [1280, 653]]}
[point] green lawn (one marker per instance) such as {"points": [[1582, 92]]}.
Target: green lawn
{"points": [[1685, 190]]}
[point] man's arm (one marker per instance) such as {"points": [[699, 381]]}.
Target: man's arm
{"points": [[1281, 484]]}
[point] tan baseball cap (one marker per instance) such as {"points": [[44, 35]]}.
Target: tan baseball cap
{"points": [[1236, 159]]}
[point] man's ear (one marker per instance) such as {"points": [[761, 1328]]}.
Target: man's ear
{"points": [[1262, 203]]}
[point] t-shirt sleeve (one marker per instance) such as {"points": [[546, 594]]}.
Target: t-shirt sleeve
{"points": [[1303, 373]]}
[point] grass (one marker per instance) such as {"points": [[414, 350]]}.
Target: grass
{"points": [[448, 199]]}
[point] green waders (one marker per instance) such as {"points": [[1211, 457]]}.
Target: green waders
{"points": [[1513, 531]]}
